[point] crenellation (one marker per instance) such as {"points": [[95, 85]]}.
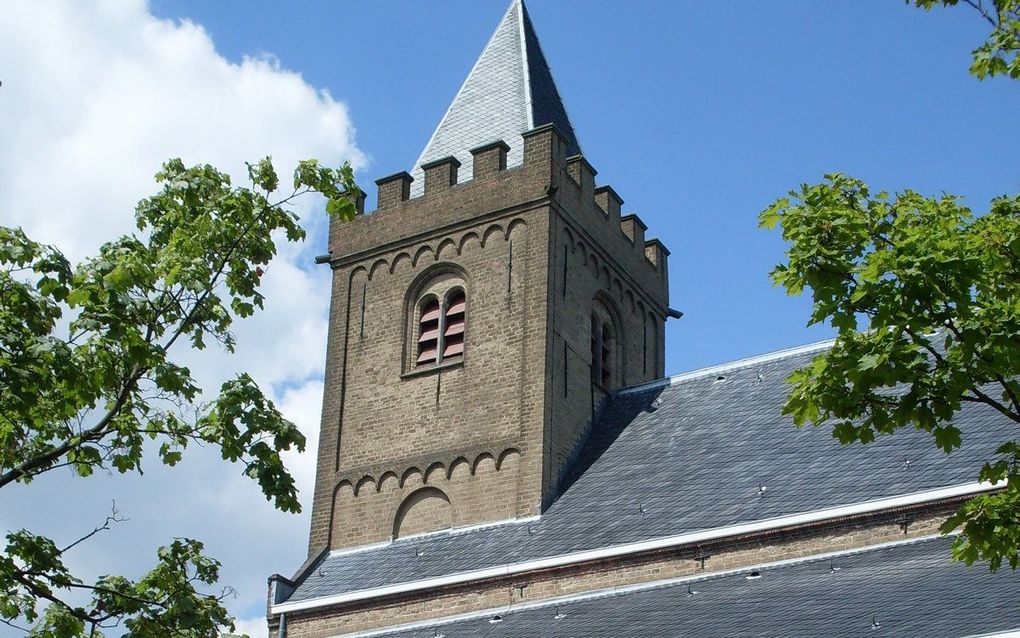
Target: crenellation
{"points": [[489, 159], [545, 148], [657, 253], [583, 174], [610, 202], [634, 229], [394, 189], [440, 174]]}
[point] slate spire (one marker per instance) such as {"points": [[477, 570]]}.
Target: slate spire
{"points": [[509, 91]]}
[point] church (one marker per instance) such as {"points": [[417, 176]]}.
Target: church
{"points": [[502, 455]]}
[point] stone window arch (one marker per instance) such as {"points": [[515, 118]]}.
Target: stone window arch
{"points": [[425, 510], [438, 318]]}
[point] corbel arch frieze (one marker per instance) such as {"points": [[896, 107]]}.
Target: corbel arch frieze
{"points": [[426, 468], [618, 288], [444, 247]]}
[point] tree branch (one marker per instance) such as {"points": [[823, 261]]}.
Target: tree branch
{"points": [[98, 431], [979, 7], [112, 518], [94, 433]]}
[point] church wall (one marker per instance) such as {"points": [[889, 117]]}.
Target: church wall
{"points": [[378, 508], [596, 265], [674, 563], [380, 413], [537, 246]]}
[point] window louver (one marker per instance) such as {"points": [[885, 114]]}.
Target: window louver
{"points": [[428, 331], [453, 332]]}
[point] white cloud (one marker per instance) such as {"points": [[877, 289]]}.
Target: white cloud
{"points": [[254, 627], [95, 96]]}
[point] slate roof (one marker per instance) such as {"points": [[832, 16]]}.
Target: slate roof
{"points": [[509, 91], [685, 455], [907, 589]]}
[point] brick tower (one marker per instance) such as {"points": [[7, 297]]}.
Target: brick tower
{"points": [[480, 315]]}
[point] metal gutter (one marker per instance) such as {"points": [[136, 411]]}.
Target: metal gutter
{"points": [[664, 542]]}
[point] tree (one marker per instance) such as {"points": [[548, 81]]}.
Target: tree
{"points": [[95, 391], [997, 55], [925, 298]]}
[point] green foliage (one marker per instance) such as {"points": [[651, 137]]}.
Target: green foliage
{"points": [[88, 392], [925, 298], [164, 602], [998, 54]]}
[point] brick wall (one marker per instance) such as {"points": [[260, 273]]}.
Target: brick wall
{"points": [[533, 247], [677, 562]]}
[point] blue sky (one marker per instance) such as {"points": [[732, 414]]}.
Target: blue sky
{"points": [[698, 114]]}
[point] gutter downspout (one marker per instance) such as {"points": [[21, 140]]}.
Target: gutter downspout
{"points": [[282, 630]]}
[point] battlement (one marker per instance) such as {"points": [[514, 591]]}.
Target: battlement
{"points": [[546, 176]]}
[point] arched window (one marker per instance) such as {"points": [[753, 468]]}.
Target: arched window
{"points": [[605, 363], [439, 321]]}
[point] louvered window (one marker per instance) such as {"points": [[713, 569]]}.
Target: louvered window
{"points": [[441, 327], [428, 331], [453, 324]]}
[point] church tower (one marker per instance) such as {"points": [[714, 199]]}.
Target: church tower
{"points": [[480, 315]]}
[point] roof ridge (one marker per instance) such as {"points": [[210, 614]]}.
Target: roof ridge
{"points": [[736, 364]]}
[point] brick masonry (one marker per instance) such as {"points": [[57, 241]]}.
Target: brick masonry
{"points": [[537, 248]]}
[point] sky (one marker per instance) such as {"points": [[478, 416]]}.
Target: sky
{"points": [[698, 114]]}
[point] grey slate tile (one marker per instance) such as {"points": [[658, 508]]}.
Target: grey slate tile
{"points": [[509, 87], [907, 590]]}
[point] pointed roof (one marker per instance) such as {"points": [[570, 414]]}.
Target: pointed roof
{"points": [[509, 91]]}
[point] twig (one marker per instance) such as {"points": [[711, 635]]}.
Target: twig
{"points": [[112, 518]]}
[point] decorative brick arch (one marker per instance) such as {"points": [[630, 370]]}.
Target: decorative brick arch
{"points": [[424, 510]]}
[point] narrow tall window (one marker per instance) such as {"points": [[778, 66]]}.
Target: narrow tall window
{"points": [[606, 358], [428, 331], [453, 323], [606, 343]]}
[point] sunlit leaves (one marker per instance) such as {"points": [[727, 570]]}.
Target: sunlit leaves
{"points": [[998, 54], [164, 602], [925, 299], [336, 184], [88, 376]]}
